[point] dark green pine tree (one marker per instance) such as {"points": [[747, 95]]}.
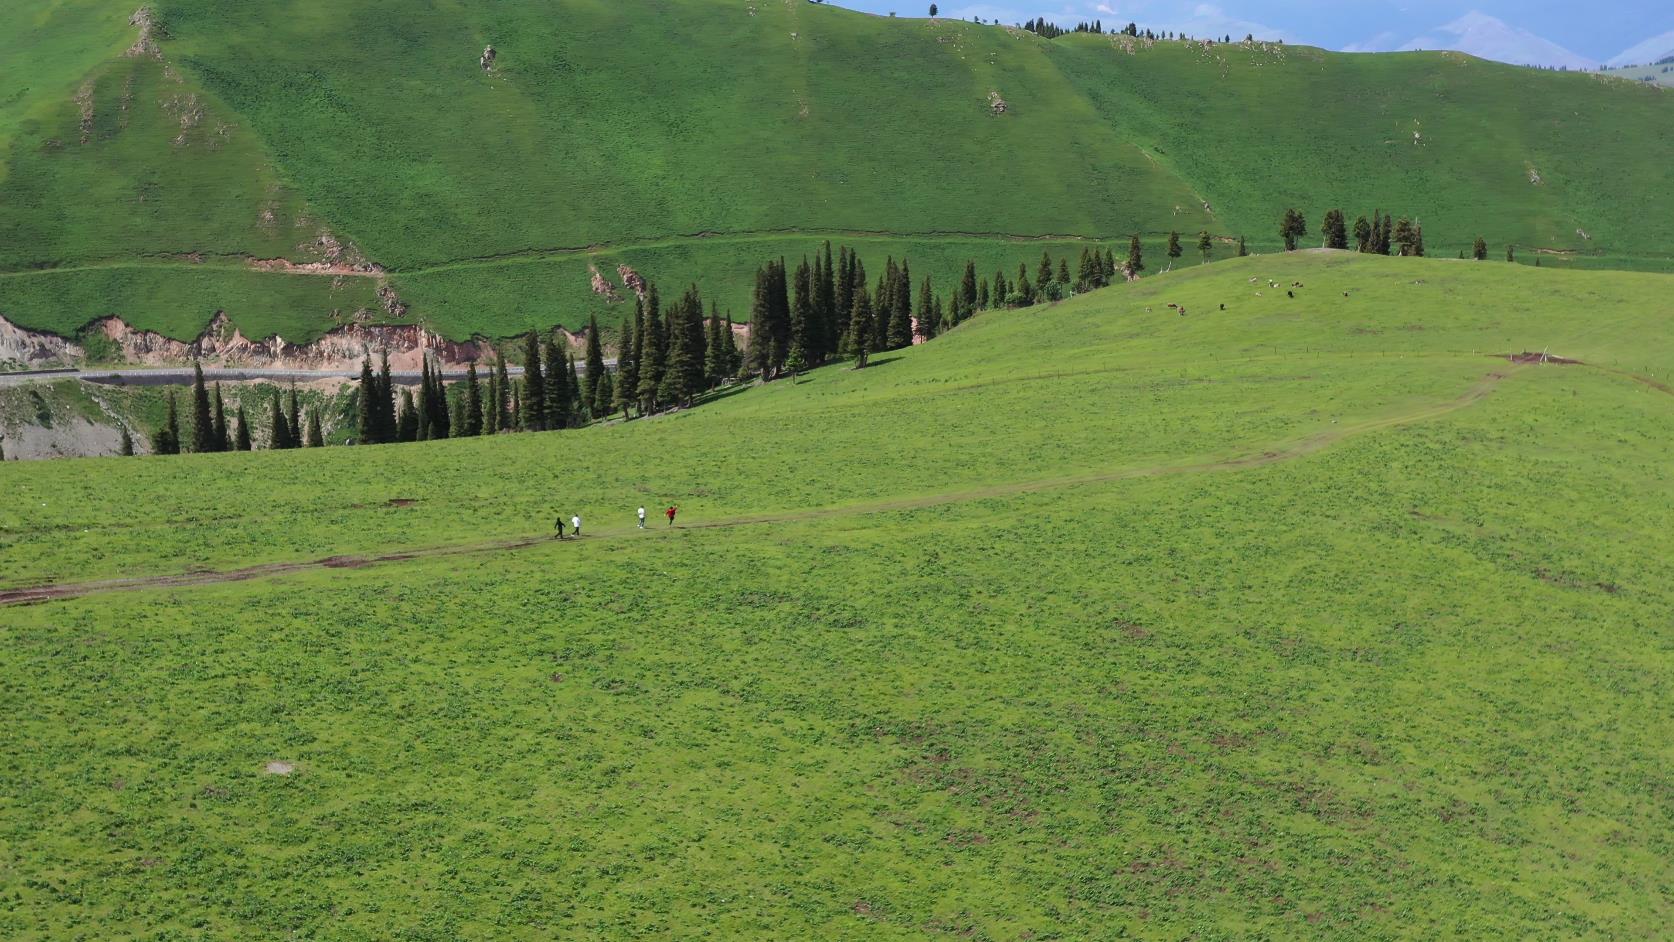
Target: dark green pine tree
{"points": [[293, 418], [761, 327], [653, 354], [825, 306], [385, 406], [883, 305], [1418, 241], [901, 319], [1511, 253], [924, 326], [203, 426], [860, 328], [407, 420], [729, 342], [1292, 228], [844, 301], [517, 407], [491, 406], [627, 369], [1363, 235], [1479, 251], [1243, 252], [607, 390], [473, 403], [1109, 265], [802, 324], [1063, 273], [696, 342], [126, 450], [241, 429], [557, 387], [441, 423], [534, 384], [1405, 238], [315, 438], [1025, 288], [278, 430], [166, 440], [1136, 258], [502, 401], [1335, 229], [421, 406], [1002, 291], [983, 297], [969, 290], [578, 409], [222, 441], [715, 355], [596, 408], [1084, 278], [1205, 245], [1043, 275], [366, 426], [1174, 249]]}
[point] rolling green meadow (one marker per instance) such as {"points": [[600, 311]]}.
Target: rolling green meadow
{"points": [[695, 139], [1313, 617]]}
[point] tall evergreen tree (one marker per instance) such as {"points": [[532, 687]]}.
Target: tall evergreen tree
{"points": [[578, 409], [844, 301], [473, 403], [315, 439], [502, 402], [1002, 291], [1293, 227], [925, 328], [1242, 251], [1479, 251], [1063, 272], [1110, 263], [385, 407], [607, 390], [534, 384], [803, 342], [825, 306], [1418, 241], [556, 387], [241, 430], [1043, 275], [278, 431], [166, 440], [1205, 245], [901, 319], [983, 296], [761, 329], [491, 406], [627, 368], [715, 355], [1363, 234], [293, 418], [407, 420], [1335, 229], [441, 423], [595, 371], [421, 406], [1025, 288], [1136, 257], [653, 353], [1405, 237], [366, 428], [203, 426], [729, 342], [860, 328], [1174, 249], [223, 442]]}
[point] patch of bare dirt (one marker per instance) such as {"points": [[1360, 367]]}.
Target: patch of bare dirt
{"points": [[279, 768], [345, 562], [402, 501]]}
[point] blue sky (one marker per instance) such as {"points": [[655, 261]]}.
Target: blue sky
{"points": [[1596, 31]]}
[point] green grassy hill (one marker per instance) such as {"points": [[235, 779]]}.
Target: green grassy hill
{"points": [[693, 139], [1309, 618]]}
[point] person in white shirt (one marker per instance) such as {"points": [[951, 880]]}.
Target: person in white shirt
{"points": [[575, 524], [642, 518]]}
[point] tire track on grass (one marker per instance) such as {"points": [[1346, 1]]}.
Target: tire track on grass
{"points": [[1289, 451]]}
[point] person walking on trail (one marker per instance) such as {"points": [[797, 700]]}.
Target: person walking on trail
{"points": [[575, 524], [559, 525], [670, 513], [642, 518]]}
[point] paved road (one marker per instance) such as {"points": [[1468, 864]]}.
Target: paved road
{"points": [[175, 376]]}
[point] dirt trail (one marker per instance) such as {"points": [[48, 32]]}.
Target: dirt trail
{"points": [[1287, 451]]}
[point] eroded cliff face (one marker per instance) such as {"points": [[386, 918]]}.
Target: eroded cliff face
{"points": [[27, 349]]}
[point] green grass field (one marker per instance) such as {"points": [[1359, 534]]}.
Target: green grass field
{"points": [[1310, 618], [697, 138]]}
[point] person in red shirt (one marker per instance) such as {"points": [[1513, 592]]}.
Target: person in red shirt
{"points": [[671, 512]]}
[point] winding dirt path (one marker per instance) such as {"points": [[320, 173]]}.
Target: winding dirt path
{"points": [[1286, 451]]}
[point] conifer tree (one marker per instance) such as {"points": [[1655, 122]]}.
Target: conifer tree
{"points": [[126, 450], [203, 426], [595, 370], [860, 328], [1024, 287], [385, 410], [279, 431], [761, 330], [1002, 291], [1293, 227], [491, 406], [1479, 251], [1511, 253], [1405, 237], [983, 297], [534, 384], [441, 423], [367, 415], [557, 387], [1243, 252], [1418, 241], [293, 418], [1136, 257], [407, 421], [729, 343], [1363, 234], [714, 349], [222, 441], [166, 440], [473, 403], [502, 401], [901, 319], [925, 328], [315, 438], [969, 290], [1085, 278], [421, 408], [241, 430], [1205, 245], [578, 409], [1110, 263], [825, 306], [627, 370], [653, 353], [1174, 249], [1335, 229], [843, 301], [802, 325], [1063, 272], [1043, 275], [517, 408]]}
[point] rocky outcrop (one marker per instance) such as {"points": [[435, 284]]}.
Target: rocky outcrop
{"points": [[488, 57], [602, 286], [28, 349], [146, 43], [632, 280]]}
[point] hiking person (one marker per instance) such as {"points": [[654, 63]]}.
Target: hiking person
{"points": [[559, 524], [642, 518], [575, 524], [670, 513]]}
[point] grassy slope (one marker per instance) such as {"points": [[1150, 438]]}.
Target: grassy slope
{"points": [[1405, 685], [634, 130]]}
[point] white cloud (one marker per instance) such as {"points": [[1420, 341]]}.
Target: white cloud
{"points": [[1483, 36]]}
